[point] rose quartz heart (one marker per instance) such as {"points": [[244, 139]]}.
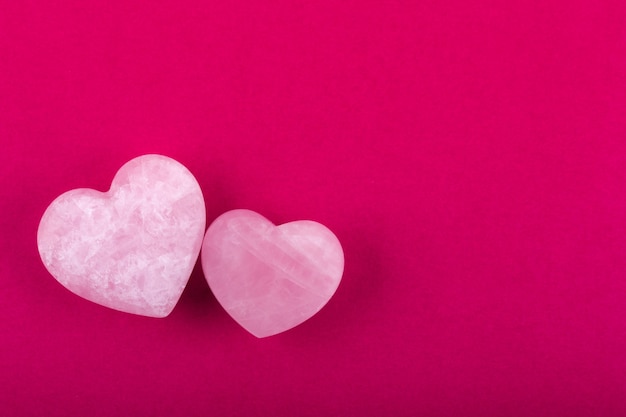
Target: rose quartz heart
{"points": [[270, 278], [132, 248]]}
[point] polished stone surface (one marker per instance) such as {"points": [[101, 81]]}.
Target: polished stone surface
{"points": [[132, 248], [270, 278]]}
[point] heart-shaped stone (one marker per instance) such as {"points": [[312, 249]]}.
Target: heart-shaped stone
{"points": [[270, 278], [132, 248]]}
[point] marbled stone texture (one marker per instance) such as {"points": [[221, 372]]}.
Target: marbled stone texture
{"points": [[270, 278], [132, 248]]}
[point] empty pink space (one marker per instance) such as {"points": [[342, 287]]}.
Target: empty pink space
{"points": [[469, 156]]}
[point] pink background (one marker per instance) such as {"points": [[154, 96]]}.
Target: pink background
{"points": [[471, 157]]}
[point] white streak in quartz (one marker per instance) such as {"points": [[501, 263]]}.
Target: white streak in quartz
{"points": [[132, 248], [270, 278]]}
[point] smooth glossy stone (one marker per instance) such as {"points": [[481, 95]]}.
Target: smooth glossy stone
{"points": [[270, 278], [132, 248]]}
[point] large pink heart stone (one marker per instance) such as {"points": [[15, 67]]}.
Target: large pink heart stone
{"points": [[270, 278], [132, 248]]}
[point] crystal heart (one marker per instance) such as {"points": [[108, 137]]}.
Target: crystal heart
{"points": [[132, 248], [270, 278]]}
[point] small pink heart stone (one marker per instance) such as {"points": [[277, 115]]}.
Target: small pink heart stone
{"points": [[132, 248], [270, 278]]}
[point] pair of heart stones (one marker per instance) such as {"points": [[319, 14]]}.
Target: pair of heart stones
{"points": [[133, 249]]}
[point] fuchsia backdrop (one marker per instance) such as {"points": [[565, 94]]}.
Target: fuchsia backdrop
{"points": [[469, 155]]}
